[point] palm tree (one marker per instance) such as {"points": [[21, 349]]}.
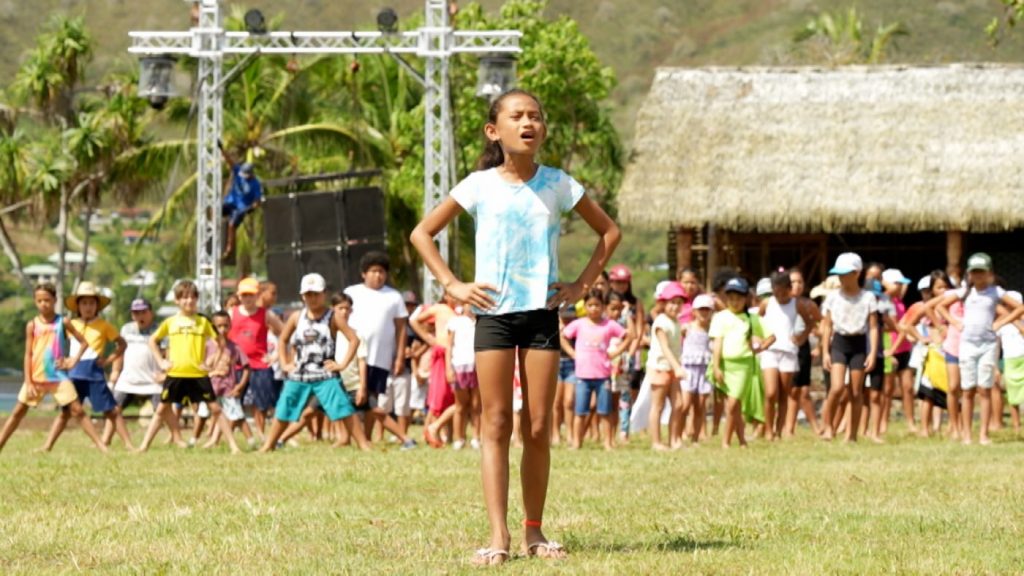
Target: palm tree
{"points": [[13, 168], [839, 38]]}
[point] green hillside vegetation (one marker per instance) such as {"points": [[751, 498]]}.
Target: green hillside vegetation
{"points": [[632, 36]]}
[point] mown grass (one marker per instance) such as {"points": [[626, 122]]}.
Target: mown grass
{"points": [[805, 507]]}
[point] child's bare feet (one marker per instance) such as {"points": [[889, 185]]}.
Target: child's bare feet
{"points": [[659, 447]]}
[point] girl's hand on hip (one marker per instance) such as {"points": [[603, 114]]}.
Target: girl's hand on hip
{"points": [[565, 294], [475, 294]]}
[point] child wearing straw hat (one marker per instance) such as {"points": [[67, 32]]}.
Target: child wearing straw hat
{"points": [[87, 375], [45, 366]]}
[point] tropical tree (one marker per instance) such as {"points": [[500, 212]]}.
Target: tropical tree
{"points": [[839, 39], [59, 148], [1013, 12]]}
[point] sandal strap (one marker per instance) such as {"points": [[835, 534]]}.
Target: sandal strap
{"points": [[490, 552], [549, 546]]}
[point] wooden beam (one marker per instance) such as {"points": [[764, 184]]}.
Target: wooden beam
{"points": [[684, 248], [954, 254]]}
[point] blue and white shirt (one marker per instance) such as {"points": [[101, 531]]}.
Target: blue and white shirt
{"points": [[517, 230]]}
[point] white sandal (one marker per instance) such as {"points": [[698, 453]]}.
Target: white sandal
{"points": [[489, 557], [549, 550]]}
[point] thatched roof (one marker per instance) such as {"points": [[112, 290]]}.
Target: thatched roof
{"points": [[856, 149]]}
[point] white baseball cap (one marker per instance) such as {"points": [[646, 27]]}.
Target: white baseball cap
{"points": [[894, 276], [847, 262], [312, 283], [704, 301], [924, 283], [764, 287]]}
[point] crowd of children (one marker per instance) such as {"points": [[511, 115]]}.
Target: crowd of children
{"points": [[739, 355]]}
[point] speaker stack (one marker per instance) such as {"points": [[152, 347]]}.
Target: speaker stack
{"points": [[323, 232]]}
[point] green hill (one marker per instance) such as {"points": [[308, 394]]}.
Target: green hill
{"points": [[632, 36]]}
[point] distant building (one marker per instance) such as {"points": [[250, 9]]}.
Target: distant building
{"points": [[911, 166], [38, 273]]}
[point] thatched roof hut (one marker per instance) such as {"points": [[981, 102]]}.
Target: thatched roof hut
{"points": [[853, 149]]}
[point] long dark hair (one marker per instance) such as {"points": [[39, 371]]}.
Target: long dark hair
{"points": [[493, 156]]}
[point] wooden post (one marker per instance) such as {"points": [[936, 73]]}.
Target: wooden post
{"points": [[712, 255], [954, 254], [684, 248]]}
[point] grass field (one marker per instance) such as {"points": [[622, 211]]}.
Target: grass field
{"points": [[806, 507]]}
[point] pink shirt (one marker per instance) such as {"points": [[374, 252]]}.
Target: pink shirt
{"points": [[901, 310], [951, 345], [592, 341]]}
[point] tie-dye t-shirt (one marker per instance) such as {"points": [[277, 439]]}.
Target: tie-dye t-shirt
{"points": [[517, 230]]}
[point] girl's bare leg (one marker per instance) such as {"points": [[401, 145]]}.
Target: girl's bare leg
{"points": [[58, 426], [494, 372], [906, 381], [12, 423], [996, 421], [538, 376], [658, 394], [967, 416], [986, 415], [856, 390], [558, 415], [771, 402], [837, 376], [953, 400], [717, 407]]}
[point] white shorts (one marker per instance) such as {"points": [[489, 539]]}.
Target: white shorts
{"points": [[977, 365], [232, 408], [401, 388], [780, 360], [396, 398]]}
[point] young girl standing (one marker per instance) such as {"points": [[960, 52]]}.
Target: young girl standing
{"points": [[978, 352], [781, 362], [696, 356], [663, 364], [733, 355], [45, 368], [518, 206], [849, 341], [1011, 342], [593, 352]]}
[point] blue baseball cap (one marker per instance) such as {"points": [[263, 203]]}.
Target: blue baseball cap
{"points": [[737, 285]]}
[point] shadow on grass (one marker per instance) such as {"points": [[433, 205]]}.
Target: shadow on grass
{"points": [[668, 544]]}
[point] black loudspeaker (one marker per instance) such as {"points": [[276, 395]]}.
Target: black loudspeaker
{"points": [[277, 222], [323, 232], [364, 214], [319, 219], [283, 270], [328, 262]]}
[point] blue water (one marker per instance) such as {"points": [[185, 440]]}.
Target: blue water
{"points": [[9, 387], [7, 401]]}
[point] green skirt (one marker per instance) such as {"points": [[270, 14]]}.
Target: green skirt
{"points": [[742, 381], [1013, 377]]}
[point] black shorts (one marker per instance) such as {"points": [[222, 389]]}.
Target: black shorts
{"points": [[875, 379], [851, 350], [376, 380], [535, 330], [803, 357], [195, 390], [902, 361]]}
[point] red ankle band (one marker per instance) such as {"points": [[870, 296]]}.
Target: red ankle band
{"points": [[532, 523]]}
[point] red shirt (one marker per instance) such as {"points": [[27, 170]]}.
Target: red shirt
{"points": [[250, 334]]}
